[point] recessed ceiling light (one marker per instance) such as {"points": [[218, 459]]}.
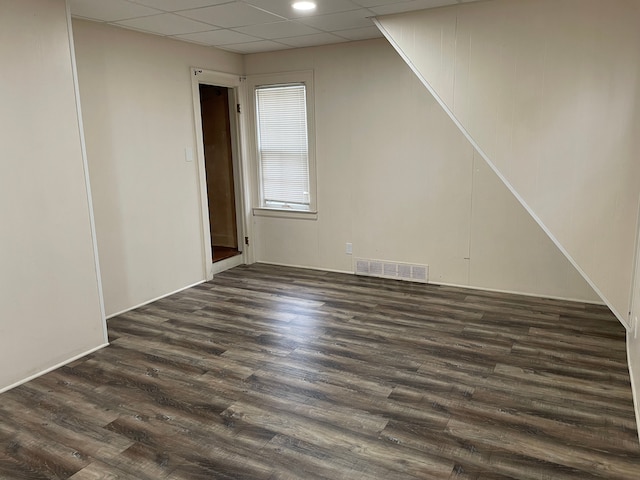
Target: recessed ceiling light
{"points": [[304, 6]]}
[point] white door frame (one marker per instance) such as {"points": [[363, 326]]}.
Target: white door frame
{"points": [[634, 301], [241, 181]]}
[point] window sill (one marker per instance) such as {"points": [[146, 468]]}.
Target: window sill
{"points": [[281, 213]]}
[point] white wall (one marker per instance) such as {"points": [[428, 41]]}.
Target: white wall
{"points": [[397, 178], [50, 308], [138, 117], [548, 89]]}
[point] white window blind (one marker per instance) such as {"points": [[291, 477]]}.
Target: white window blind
{"points": [[283, 150]]}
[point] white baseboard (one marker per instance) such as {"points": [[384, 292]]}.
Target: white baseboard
{"points": [[321, 269], [634, 387], [217, 268], [50, 369], [514, 292], [147, 302]]}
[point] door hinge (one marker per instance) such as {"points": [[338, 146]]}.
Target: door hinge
{"points": [[246, 240], [238, 107]]}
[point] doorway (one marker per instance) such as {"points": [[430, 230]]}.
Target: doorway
{"points": [[216, 107]]}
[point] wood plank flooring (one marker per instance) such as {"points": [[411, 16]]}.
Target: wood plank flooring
{"points": [[222, 253], [279, 373]]}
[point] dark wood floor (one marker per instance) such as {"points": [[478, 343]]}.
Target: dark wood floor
{"points": [[277, 373], [222, 253]]}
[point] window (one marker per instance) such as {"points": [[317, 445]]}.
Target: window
{"points": [[284, 143]]}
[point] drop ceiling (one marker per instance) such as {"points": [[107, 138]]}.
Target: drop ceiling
{"points": [[249, 26]]}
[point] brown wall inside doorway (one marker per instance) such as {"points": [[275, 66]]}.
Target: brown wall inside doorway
{"points": [[216, 131]]}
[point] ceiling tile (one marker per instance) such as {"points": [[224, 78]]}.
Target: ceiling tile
{"points": [[340, 21], [277, 30], [176, 5], [218, 37], [250, 26], [402, 7], [255, 47], [109, 11], [283, 7], [422, 3], [375, 3], [229, 15], [166, 24], [311, 40], [360, 33]]}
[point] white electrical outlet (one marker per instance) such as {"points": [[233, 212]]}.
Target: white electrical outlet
{"points": [[349, 249]]}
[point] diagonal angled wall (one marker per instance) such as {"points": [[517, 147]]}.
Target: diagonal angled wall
{"points": [[50, 297], [546, 90]]}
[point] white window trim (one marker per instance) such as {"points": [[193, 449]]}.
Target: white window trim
{"points": [[253, 81]]}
